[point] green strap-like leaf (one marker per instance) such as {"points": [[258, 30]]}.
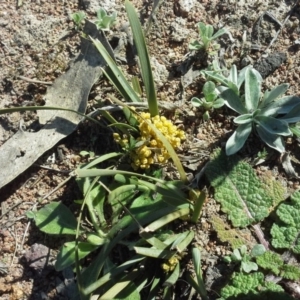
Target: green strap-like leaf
{"points": [[117, 79], [145, 64]]}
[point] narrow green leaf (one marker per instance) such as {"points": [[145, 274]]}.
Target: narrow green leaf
{"points": [[124, 125], [144, 59], [56, 218], [120, 286], [184, 240], [34, 108], [101, 159], [196, 256], [113, 273], [199, 200], [207, 32], [156, 253], [241, 76], [118, 78], [154, 287], [168, 218], [173, 277], [136, 85]]}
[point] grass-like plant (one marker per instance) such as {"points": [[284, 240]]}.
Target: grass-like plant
{"points": [[158, 135], [207, 36], [127, 211]]}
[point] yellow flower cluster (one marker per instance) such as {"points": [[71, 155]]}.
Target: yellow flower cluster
{"points": [[170, 264], [152, 149]]}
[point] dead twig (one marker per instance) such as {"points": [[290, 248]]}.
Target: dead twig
{"points": [[34, 80]]}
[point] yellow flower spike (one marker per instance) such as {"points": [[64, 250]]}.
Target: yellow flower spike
{"points": [[173, 261], [144, 161], [153, 143], [148, 153], [160, 158], [165, 267], [150, 161]]}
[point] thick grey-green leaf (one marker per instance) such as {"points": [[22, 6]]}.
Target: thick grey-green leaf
{"points": [[286, 235], [273, 125], [276, 92], [238, 138], [56, 218], [233, 101], [272, 140], [281, 106], [292, 116], [243, 119], [238, 189], [252, 89]]}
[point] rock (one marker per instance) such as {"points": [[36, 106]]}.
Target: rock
{"points": [[160, 72], [268, 65], [92, 6], [183, 7], [179, 30], [38, 258]]}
